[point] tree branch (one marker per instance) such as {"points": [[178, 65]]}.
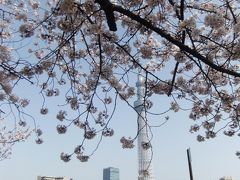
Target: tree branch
{"points": [[107, 7], [171, 39]]}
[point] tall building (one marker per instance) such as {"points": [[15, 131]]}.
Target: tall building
{"points": [[111, 173], [52, 178], [226, 178], [144, 145]]}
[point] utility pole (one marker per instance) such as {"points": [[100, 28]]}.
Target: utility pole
{"points": [[189, 163]]}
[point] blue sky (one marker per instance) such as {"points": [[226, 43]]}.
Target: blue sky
{"points": [[211, 160]]}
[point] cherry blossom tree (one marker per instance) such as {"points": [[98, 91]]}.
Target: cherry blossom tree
{"points": [[88, 52]]}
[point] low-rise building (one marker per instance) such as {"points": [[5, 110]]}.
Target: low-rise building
{"points": [[226, 178], [52, 178]]}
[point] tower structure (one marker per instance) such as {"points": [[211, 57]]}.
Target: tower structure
{"points": [[144, 146]]}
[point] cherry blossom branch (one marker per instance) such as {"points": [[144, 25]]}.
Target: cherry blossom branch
{"points": [[183, 36], [231, 11], [106, 6], [171, 39]]}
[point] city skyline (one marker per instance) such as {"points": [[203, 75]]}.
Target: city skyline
{"points": [[110, 173]]}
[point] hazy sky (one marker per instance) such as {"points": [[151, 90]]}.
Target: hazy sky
{"points": [[210, 160]]}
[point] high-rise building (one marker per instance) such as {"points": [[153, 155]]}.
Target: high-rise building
{"points": [[145, 171], [226, 178], [52, 178], [111, 173]]}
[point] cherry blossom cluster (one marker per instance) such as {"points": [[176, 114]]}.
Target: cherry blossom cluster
{"points": [[9, 137], [127, 143]]}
